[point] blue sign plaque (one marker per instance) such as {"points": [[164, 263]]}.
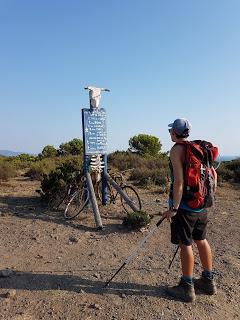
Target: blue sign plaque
{"points": [[94, 131]]}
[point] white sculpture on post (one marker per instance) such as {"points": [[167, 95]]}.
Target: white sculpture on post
{"points": [[95, 96]]}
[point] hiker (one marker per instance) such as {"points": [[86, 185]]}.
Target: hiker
{"points": [[188, 223]]}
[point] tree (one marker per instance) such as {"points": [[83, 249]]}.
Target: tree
{"points": [[145, 144], [74, 147], [49, 152]]}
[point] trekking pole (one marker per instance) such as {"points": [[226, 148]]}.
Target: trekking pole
{"points": [[135, 251], [173, 258]]}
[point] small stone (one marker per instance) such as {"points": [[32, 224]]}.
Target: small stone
{"points": [[123, 295], [11, 294], [72, 239], [95, 306], [82, 291]]}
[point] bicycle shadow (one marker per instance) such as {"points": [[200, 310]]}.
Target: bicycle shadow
{"points": [[31, 208], [73, 283]]}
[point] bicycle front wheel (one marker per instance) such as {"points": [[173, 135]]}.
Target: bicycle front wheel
{"points": [[76, 204], [133, 196]]}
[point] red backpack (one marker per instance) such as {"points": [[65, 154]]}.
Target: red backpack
{"points": [[199, 174]]}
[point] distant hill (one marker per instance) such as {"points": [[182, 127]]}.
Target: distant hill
{"points": [[9, 153], [229, 158]]}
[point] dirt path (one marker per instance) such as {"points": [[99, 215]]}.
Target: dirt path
{"points": [[61, 267]]}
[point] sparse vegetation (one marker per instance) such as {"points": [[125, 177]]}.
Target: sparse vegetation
{"points": [[229, 171], [56, 181], [137, 220], [7, 170]]}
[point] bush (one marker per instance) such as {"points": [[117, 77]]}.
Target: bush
{"points": [[123, 160], [7, 171], [229, 170], [232, 165], [146, 171], [40, 168], [137, 219], [148, 177], [56, 181], [22, 161], [224, 174], [237, 176]]}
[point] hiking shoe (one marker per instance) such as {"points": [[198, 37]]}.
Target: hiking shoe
{"points": [[183, 291], [205, 285]]}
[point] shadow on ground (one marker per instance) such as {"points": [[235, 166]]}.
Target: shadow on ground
{"points": [[73, 283], [31, 208]]}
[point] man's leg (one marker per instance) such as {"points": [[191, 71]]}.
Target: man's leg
{"points": [[205, 254], [185, 289], [187, 260], [206, 282]]}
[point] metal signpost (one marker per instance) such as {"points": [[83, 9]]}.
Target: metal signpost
{"points": [[95, 147]]}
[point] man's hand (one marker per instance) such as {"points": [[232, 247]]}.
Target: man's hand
{"points": [[168, 215]]}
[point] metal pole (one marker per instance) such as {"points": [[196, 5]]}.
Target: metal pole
{"points": [[93, 200], [104, 181], [121, 192], [170, 264], [136, 249]]}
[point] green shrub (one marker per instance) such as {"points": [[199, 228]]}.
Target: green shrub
{"points": [[7, 170], [232, 165], [55, 182], [40, 168], [224, 174], [229, 170], [137, 219], [22, 161], [146, 171], [237, 175], [148, 177]]}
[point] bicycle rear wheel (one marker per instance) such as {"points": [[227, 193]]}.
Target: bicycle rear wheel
{"points": [[133, 196], [76, 204]]}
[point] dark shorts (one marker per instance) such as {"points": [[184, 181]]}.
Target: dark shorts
{"points": [[187, 226]]}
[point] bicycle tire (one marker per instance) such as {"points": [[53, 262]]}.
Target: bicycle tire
{"points": [[133, 196], [76, 204]]}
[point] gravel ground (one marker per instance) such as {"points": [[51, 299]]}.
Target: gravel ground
{"points": [[57, 269]]}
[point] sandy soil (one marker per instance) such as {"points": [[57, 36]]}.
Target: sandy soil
{"points": [[61, 267]]}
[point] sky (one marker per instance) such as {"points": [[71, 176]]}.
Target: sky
{"points": [[161, 60]]}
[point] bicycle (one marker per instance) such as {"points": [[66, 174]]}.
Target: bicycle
{"points": [[113, 194], [77, 200], [58, 201]]}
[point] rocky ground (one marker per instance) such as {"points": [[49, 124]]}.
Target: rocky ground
{"points": [[57, 269]]}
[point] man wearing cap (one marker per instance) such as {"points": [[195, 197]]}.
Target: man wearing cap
{"points": [[187, 225]]}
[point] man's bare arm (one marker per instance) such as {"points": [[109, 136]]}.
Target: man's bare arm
{"points": [[176, 156]]}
